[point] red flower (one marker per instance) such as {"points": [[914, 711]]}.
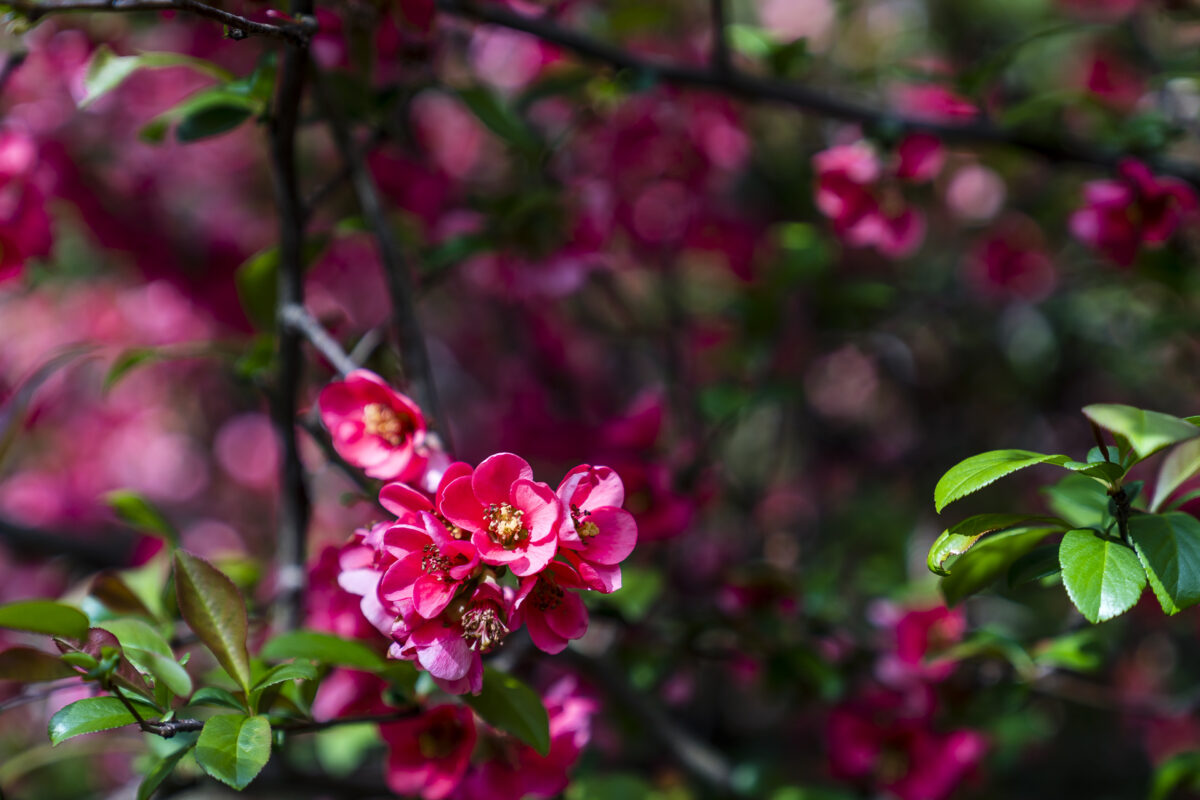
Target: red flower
{"points": [[429, 755], [374, 427], [554, 614]]}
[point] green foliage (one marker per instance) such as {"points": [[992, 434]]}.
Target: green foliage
{"points": [[976, 472], [509, 705], [140, 514], [106, 71], [215, 611], [1113, 549], [44, 616], [233, 748], [90, 716], [1144, 432], [1102, 575], [1169, 548], [161, 770], [149, 653], [324, 648], [32, 666], [960, 538]]}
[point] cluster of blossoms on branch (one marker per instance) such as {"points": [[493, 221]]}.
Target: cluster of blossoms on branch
{"points": [[432, 578]]}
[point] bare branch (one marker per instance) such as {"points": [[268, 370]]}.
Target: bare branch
{"points": [[720, 44], [413, 354], [803, 98], [109, 548], [296, 318], [295, 506], [297, 33]]}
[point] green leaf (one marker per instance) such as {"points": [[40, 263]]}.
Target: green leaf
{"points": [[609, 787], [158, 773], [214, 609], [1169, 548], [1080, 501], [44, 616], [257, 281], [117, 596], [212, 121], [640, 589], [1039, 563], [298, 670], [106, 71], [32, 666], [1181, 463], [140, 514], [323, 648], [149, 653], [988, 560], [511, 706], [978, 471], [1102, 576], [1146, 431], [960, 538], [500, 119], [1077, 651], [89, 716], [234, 748], [216, 696], [1178, 770]]}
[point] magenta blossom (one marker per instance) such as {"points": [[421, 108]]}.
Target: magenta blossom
{"points": [[513, 520], [430, 568], [877, 743], [1138, 208], [518, 771], [428, 756], [553, 613], [1011, 260], [449, 646], [374, 427], [598, 533]]}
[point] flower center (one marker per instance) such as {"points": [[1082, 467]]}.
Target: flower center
{"points": [[433, 561], [483, 628], [440, 739], [546, 595], [381, 421], [506, 525], [584, 527], [454, 531]]}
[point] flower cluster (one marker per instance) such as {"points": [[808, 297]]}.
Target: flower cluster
{"points": [[864, 200], [1119, 216], [484, 551]]}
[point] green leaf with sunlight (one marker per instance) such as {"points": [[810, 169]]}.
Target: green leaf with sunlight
{"points": [[1103, 576]]}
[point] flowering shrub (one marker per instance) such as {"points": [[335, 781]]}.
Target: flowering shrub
{"points": [[510, 399]]}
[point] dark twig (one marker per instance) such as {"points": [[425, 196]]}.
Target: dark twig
{"points": [[297, 318], [413, 354], [697, 757], [803, 98], [720, 44], [108, 549], [297, 33], [294, 507], [323, 192]]}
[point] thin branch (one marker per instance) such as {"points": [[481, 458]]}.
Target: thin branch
{"points": [[295, 506], [803, 98], [297, 33], [720, 44], [699, 758], [413, 353], [298, 320], [108, 548], [323, 192]]}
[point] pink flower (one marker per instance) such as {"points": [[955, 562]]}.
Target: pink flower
{"points": [[1012, 261], [546, 604], [877, 743], [1138, 208], [24, 223], [449, 646], [374, 427], [513, 520], [920, 636], [430, 567], [598, 533], [428, 756], [865, 202], [934, 102], [518, 771]]}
